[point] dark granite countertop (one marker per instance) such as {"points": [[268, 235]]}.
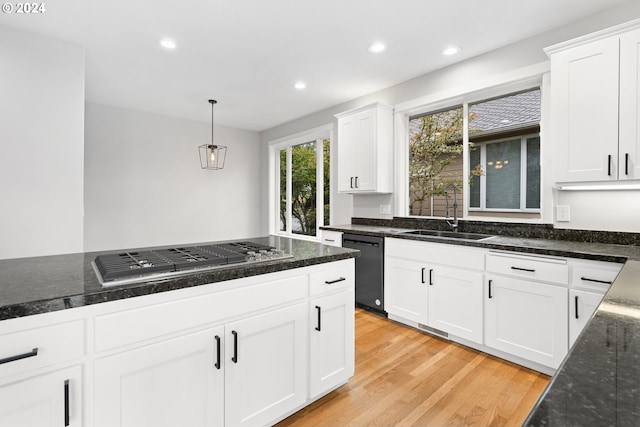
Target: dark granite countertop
{"points": [[598, 383], [38, 285]]}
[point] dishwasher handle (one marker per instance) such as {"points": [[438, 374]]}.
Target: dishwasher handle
{"points": [[360, 242]]}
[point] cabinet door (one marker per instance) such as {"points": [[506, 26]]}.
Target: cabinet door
{"points": [[630, 105], [331, 341], [581, 306], [584, 104], [365, 151], [455, 302], [527, 319], [266, 359], [406, 290], [52, 399], [171, 383], [346, 154]]}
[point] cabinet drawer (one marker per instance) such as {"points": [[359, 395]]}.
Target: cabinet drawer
{"points": [[436, 253], [331, 238], [553, 270], [593, 276], [41, 347], [152, 321], [337, 278]]}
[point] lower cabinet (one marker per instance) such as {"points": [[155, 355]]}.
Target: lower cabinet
{"points": [[331, 341], [581, 306], [265, 366], [52, 399], [171, 383], [527, 319], [406, 293]]}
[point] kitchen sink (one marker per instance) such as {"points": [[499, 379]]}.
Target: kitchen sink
{"points": [[449, 234]]}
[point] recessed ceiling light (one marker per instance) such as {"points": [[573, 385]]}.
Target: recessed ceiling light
{"points": [[168, 44], [376, 47], [300, 85], [451, 51]]}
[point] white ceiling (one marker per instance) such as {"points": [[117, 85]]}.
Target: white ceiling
{"points": [[247, 54]]}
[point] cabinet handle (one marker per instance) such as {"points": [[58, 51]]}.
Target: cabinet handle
{"points": [[609, 165], [319, 327], [32, 353], [530, 270], [234, 359], [356, 182], [329, 240], [217, 364], [606, 282], [490, 282], [430, 277], [66, 402], [351, 182], [576, 304], [626, 163], [331, 282], [422, 274]]}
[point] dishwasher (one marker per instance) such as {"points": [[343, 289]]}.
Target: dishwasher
{"points": [[369, 271]]}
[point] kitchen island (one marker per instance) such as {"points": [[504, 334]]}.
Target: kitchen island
{"points": [[243, 344]]}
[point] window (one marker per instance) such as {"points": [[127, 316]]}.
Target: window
{"points": [[503, 156], [301, 167], [504, 153]]}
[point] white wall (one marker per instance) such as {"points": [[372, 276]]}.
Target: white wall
{"points": [[144, 185], [41, 145], [513, 57]]}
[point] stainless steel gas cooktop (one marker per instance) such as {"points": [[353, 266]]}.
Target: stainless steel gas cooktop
{"points": [[128, 267]]}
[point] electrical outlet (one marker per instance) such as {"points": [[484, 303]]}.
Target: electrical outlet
{"points": [[563, 213], [385, 209]]}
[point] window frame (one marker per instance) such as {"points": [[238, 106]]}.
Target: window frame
{"points": [[317, 135], [523, 79]]}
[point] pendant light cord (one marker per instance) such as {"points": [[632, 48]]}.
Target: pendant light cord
{"points": [[213, 102]]}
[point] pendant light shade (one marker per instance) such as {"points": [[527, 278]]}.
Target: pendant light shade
{"points": [[212, 156]]}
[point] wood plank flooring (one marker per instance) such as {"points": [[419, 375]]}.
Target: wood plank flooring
{"points": [[404, 377]]}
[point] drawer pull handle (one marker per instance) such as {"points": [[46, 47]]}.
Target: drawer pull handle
{"points": [[234, 359], [32, 353], [66, 403], [329, 240], [530, 270], [331, 282], [431, 277], [490, 282], [576, 304], [319, 327], [422, 275], [606, 282], [217, 364]]}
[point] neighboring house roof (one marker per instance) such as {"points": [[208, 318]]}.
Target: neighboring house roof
{"points": [[508, 112]]}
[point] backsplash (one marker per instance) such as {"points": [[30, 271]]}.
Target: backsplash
{"points": [[521, 230]]}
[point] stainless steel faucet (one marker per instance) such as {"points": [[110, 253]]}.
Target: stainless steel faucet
{"points": [[453, 224]]}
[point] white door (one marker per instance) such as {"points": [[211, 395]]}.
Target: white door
{"points": [[581, 306], [455, 302], [406, 289], [266, 360], [365, 151], [52, 399], [527, 319], [331, 341], [630, 105], [584, 104], [171, 383], [346, 154]]}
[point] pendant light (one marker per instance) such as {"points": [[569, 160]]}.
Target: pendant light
{"points": [[212, 156]]}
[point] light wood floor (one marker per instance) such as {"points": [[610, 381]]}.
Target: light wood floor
{"points": [[404, 377]]}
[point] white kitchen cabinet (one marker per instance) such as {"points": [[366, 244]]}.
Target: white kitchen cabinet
{"points": [[527, 319], [170, 383], [582, 305], [455, 302], [444, 297], [266, 366], [331, 341], [595, 107], [406, 291], [52, 399], [365, 150], [331, 238]]}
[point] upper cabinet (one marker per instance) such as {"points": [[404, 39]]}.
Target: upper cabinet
{"points": [[595, 106], [365, 150]]}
